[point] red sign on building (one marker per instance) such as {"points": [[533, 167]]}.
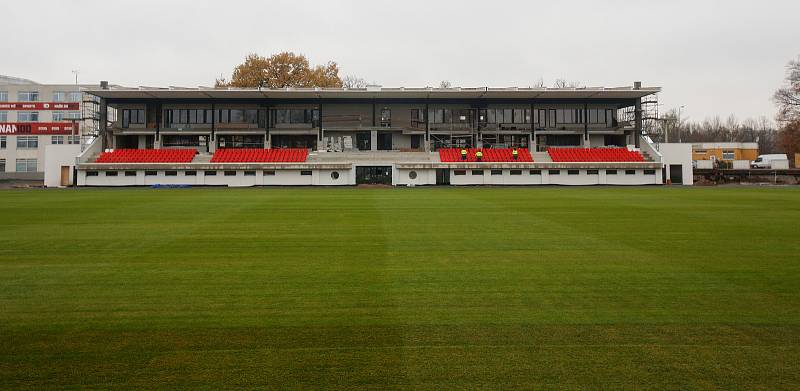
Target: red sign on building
{"points": [[40, 106], [34, 128]]}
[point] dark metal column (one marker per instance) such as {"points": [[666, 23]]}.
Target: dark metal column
{"points": [[104, 123], [267, 139], [427, 128], [532, 145], [585, 122], [319, 109], [638, 119]]}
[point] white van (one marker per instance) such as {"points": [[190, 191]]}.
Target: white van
{"points": [[765, 161]]}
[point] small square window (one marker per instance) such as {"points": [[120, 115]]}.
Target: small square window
{"points": [[111, 173], [230, 173], [170, 173], [210, 173], [477, 172], [535, 172], [305, 172], [190, 173], [130, 173], [554, 172], [497, 172], [460, 172], [269, 173], [630, 172], [573, 172], [150, 173], [611, 172], [516, 172], [249, 173]]}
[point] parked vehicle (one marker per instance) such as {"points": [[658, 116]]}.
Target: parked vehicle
{"points": [[765, 161]]}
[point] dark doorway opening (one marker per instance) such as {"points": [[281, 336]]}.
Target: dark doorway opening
{"points": [[442, 176], [676, 174], [374, 175], [384, 141], [129, 142], [363, 141]]}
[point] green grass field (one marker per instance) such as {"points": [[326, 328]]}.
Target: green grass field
{"points": [[431, 288]]}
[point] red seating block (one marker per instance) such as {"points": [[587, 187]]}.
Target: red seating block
{"points": [[260, 155], [147, 156], [453, 155], [594, 155]]}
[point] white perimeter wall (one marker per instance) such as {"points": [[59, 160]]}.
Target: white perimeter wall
{"points": [[678, 153], [240, 178], [56, 156]]}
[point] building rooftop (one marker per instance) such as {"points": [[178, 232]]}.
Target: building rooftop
{"points": [[730, 145], [117, 92], [15, 80]]}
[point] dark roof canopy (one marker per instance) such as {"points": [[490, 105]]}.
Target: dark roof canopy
{"points": [[205, 93]]}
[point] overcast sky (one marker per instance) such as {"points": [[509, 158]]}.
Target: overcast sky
{"points": [[714, 57]]}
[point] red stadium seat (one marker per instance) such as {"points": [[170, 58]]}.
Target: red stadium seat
{"points": [[453, 155], [594, 155], [260, 155], [147, 156]]}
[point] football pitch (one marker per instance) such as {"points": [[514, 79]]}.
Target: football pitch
{"points": [[426, 288]]}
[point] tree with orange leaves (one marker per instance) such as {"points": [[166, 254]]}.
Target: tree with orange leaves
{"points": [[282, 70]]}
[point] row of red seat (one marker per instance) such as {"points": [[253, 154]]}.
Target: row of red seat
{"points": [[594, 155], [147, 156], [489, 155], [260, 155]]}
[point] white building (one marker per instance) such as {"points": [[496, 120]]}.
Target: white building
{"points": [[34, 115]]}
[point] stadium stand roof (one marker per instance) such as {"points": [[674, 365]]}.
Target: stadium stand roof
{"points": [[117, 92]]}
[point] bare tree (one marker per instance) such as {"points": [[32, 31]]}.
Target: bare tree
{"points": [[351, 81], [563, 83], [788, 97], [539, 83], [445, 84]]}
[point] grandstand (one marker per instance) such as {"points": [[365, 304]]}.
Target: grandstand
{"points": [[396, 136]]}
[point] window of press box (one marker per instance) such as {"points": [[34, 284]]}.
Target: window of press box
{"points": [[592, 172], [269, 173], [649, 172], [249, 173]]}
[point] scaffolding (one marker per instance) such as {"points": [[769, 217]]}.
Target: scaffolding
{"points": [[650, 119], [90, 118]]}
